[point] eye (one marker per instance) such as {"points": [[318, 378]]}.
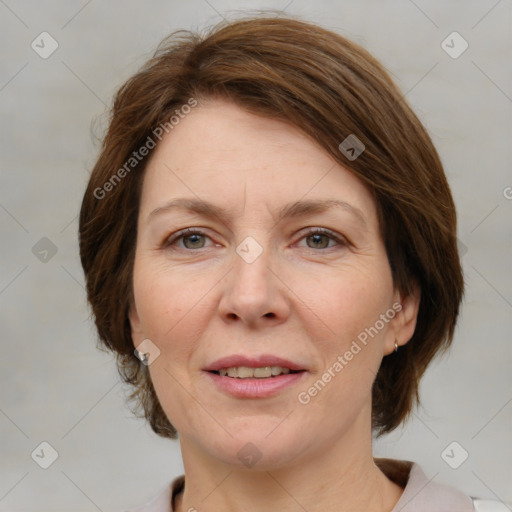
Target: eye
{"points": [[191, 238], [194, 238], [320, 238]]}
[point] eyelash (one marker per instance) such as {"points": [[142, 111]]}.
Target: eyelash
{"points": [[194, 231]]}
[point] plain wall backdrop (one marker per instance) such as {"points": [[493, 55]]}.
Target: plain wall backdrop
{"points": [[56, 387]]}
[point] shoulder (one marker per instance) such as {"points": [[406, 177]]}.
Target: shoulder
{"points": [[423, 494], [489, 506]]}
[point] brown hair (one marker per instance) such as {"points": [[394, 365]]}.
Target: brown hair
{"points": [[328, 87]]}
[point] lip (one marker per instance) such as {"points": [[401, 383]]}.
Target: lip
{"points": [[252, 362], [255, 387]]}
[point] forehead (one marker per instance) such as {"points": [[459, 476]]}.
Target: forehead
{"points": [[224, 155]]}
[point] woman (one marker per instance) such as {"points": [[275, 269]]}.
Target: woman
{"points": [[269, 244]]}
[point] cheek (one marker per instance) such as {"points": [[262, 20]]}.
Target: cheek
{"points": [[350, 305], [169, 308], [349, 300], [166, 300]]}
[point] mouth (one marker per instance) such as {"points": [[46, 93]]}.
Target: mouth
{"points": [[247, 372], [254, 377]]}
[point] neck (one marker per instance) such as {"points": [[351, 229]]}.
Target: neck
{"points": [[343, 477]]}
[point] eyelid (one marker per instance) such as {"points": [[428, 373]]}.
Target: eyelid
{"points": [[182, 233], [308, 231], [340, 239]]}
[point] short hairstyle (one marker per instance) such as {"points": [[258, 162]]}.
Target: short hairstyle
{"points": [[328, 87]]}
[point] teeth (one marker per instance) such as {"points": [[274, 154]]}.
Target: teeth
{"points": [[244, 372], [264, 372]]}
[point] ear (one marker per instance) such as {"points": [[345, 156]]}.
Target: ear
{"points": [[404, 322], [135, 323]]}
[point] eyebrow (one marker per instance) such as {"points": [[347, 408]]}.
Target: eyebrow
{"points": [[295, 209]]}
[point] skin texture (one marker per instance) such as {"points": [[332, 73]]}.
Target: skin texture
{"points": [[304, 298]]}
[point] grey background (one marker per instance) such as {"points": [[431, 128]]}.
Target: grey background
{"points": [[57, 387]]}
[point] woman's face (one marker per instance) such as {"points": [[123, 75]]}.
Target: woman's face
{"points": [[257, 286]]}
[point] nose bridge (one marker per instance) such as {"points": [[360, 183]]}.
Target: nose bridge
{"points": [[252, 291], [250, 278]]}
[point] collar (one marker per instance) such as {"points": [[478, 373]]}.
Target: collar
{"points": [[421, 494]]}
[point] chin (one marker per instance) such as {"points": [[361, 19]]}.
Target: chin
{"points": [[258, 447]]}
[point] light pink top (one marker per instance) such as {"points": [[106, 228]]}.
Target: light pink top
{"points": [[420, 494]]}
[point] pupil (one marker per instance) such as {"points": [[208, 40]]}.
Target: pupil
{"points": [[317, 238], [193, 241]]}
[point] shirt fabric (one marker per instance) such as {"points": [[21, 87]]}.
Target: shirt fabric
{"points": [[420, 493]]}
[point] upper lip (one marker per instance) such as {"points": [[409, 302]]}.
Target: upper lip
{"points": [[252, 362]]}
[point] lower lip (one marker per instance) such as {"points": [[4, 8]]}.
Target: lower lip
{"points": [[255, 388]]}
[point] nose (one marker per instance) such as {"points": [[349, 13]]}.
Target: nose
{"points": [[253, 292]]}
